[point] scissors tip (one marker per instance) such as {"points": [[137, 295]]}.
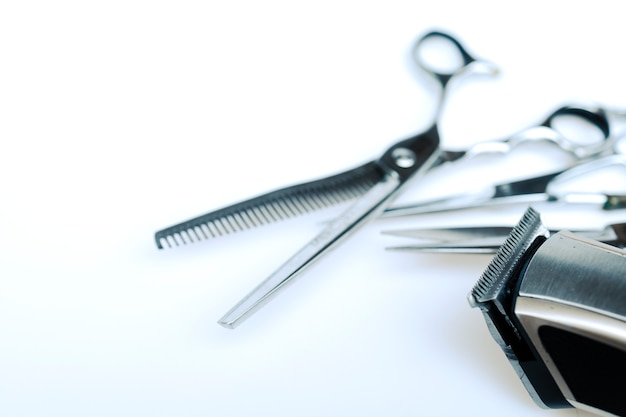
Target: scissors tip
{"points": [[227, 324]]}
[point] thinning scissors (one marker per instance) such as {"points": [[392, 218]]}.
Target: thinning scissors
{"points": [[403, 161], [376, 183]]}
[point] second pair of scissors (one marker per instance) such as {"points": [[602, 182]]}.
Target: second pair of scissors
{"points": [[552, 187]]}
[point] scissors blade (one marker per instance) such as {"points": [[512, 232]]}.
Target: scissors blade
{"points": [[469, 250], [490, 241], [403, 161], [452, 233], [368, 206], [531, 190], [272, 206]]}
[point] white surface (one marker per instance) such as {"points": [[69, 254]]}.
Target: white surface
{"points": [[120, 118]]}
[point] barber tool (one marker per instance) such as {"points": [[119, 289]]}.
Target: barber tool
{"points": [[555, 305], [325, 192], [376, 183], [546, 187]]}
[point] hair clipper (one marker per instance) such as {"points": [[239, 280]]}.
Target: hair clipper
{"points": [[556, 305]]}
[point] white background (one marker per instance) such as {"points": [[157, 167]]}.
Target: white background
{"points": [[120, 118]]}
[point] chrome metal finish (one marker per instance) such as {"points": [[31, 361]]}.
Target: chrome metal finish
{"points": [[369, 205], [454, 234], [582, 272], [541, 189], [273, 206], [403, 161], [488, 239]]}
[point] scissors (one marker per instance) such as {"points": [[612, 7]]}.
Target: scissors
{"points": [[591, 157], [335, 189], [376, 184]]}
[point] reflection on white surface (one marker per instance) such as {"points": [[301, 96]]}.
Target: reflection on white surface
{"points": [[123, 118]]}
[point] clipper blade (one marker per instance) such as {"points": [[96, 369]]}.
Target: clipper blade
{"points": [[508, 259], [496, 295]]}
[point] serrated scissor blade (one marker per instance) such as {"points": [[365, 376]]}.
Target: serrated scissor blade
{"points": [[273, 206]]}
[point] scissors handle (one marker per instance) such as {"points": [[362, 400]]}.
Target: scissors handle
{"points": [[441, 75], [427, 56], [552, 130], [593, 116]]}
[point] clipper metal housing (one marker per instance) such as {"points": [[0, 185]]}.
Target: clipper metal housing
{"points": [[556, 305]]}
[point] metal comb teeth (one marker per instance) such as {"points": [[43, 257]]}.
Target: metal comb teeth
{"points": [[503, 266], [273, 206]]}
